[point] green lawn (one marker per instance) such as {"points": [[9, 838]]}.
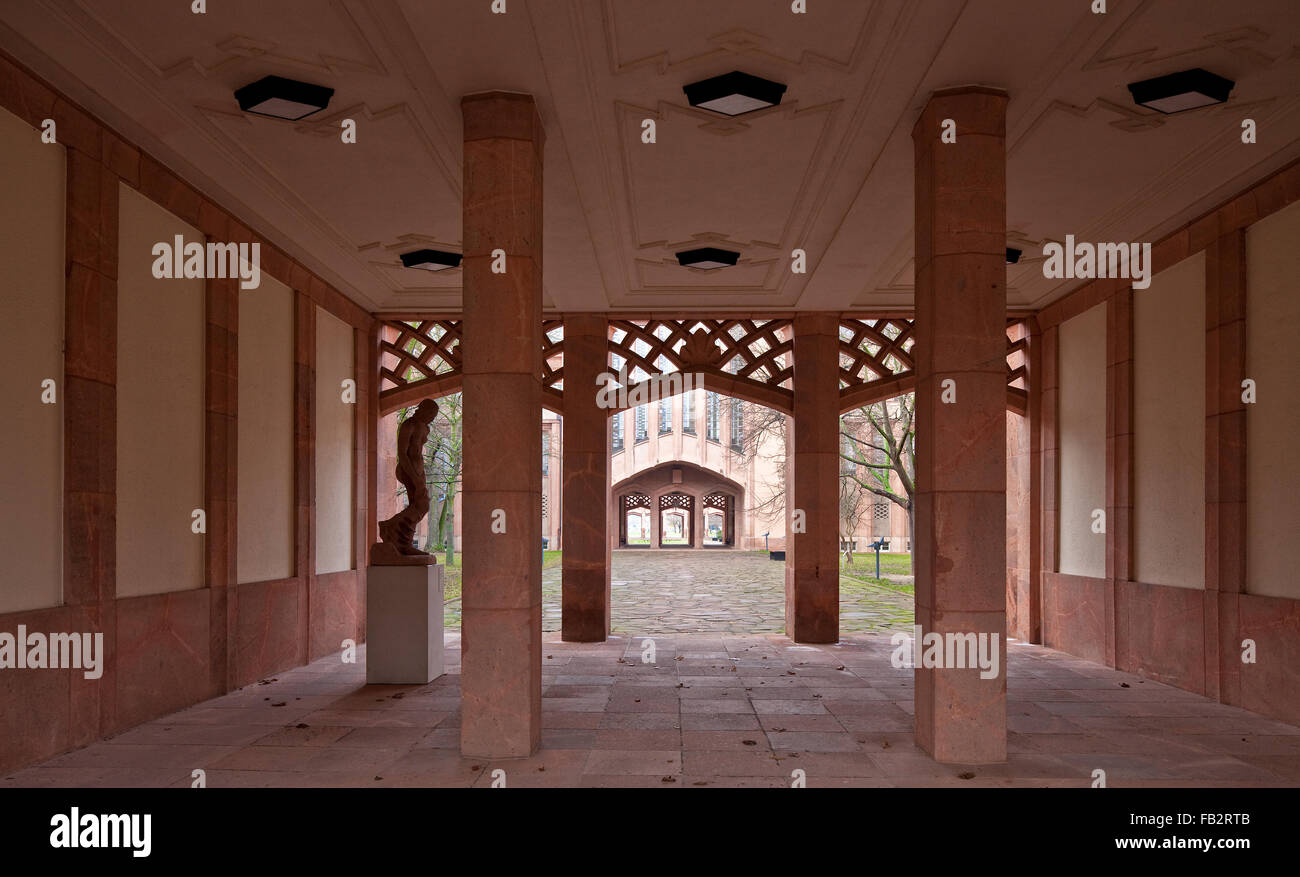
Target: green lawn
{"points": [[891, 564], [451, 574]]}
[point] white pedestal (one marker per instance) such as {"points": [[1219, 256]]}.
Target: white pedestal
{"points": [[403, 624]]}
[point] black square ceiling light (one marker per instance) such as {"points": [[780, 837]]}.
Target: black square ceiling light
{"points": [[1186, 90], [734, 93], [707, 258], [282, 98], [430, 260]]}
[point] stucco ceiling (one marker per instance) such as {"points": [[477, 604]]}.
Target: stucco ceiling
{"points": [[828, 171]]}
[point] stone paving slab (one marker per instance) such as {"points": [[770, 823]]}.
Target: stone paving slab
{"points": [[841, 714]]}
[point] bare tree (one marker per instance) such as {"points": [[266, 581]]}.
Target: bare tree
{"points": [[853, 507], [764, 437], [881, 439]]}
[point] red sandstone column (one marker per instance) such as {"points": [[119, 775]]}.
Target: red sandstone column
{"points": [[585, 572], [1119, 455], [501, 644], [812, 563], [1049, 450], [1225, 462], [1035, 363], [961, 446]]}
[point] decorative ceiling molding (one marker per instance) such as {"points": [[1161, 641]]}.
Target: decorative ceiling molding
{"points": [[629, 117], [738, 41], [1241, 42]]}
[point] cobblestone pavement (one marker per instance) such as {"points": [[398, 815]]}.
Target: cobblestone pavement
{"points": [[663, 592]]}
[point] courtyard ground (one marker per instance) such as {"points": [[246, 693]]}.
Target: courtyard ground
{"points": [[707, 711], [659, 591]]}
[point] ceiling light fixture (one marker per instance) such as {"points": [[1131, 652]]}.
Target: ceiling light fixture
{"points": [[282, 98], [1013, 256], [1185, 90], [707, 258], [734, 93], [430, 260]]}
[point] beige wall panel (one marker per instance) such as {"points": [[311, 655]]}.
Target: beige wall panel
{"points": [[31, 336], [160, 407], [1169, 427], [266, 512], [1273, 422], [1081, 430], [334, 444]]}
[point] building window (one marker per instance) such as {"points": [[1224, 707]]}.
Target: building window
{"points": [[546, 453], [737, 425], [688, 413], [665, 416], [712, 431], [880, 520], [641, 432], [616, 424]]}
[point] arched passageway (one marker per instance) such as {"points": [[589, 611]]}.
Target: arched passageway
{"points": [[676, 505]]}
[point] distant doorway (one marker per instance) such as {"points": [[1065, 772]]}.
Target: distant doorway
{"points": [[634, 521], [676, 520], [719, 520]]}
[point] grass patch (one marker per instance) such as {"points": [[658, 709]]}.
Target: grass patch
{"points": [[451, 573], [865, 584], [892, 563]]}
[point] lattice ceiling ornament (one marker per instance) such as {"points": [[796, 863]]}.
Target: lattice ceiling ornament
{"points": [[874, 350], [553, 355], [635, 501], [420, 358], [750, 358], [876, 361], [421, 351], [676, 501], [717, 501]]}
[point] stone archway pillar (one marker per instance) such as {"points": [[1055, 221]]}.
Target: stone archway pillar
{"points": [[501, 643], [961, 479], [812, 562], [584, 613]]}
